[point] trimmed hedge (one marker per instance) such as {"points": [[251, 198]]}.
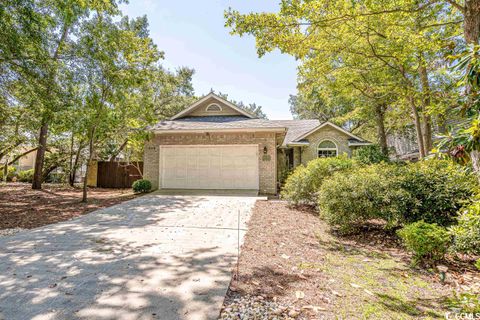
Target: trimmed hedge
{"points": [[466, 234], [142, 186], [302, 185], [439, 189], [432, 190], [427, 241], [349, 199]]}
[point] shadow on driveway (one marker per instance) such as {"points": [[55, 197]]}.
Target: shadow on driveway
{"points": [[155, 257]]}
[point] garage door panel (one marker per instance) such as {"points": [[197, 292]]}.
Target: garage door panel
{"points": [[209, 167]]}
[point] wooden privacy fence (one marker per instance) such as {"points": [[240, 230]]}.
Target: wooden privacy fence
{"points": [[118, 174]]}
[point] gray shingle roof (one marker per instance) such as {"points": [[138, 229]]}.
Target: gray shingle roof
{"points": [[295, 128], [214, 122]]}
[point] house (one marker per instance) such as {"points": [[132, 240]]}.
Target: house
{"points": [[214, 144], [27, 161]]}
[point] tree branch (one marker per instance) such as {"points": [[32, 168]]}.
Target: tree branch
{"points": [[456, 5]]}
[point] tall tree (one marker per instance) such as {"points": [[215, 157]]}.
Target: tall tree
{"points": [[401, 38], [118, 59], [34, 53]]}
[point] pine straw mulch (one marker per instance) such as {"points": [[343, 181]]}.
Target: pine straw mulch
{"points": [[22, 207], [290, 256]]}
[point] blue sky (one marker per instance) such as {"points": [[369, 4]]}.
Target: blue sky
{"points": [[192, 33]]}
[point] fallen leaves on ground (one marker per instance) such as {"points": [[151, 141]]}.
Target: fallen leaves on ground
{"points": [[22, 207]]}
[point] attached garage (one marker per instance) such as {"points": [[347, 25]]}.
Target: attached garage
{"points": [[209, 167]]}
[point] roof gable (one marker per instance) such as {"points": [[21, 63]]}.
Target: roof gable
{"points": [[212, 105], [334, 126]]}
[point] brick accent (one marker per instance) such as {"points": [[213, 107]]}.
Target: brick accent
{"points": [[267, 162]]}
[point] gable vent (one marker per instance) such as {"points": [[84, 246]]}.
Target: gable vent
{"points": [[213, 108]]}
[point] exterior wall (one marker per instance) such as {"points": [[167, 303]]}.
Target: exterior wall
{"points": [[326, 133], [267, 162], [200, 110], [26, 162]]}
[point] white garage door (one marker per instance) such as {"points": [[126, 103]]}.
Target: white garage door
{"points": [[209, 167]]}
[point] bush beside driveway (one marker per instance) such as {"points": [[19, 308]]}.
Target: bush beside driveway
{"points": [[290, 258]]}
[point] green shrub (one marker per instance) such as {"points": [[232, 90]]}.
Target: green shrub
{"points": [[26, 175], [142, 186], [466, 234], [349, 199], [11, 172], [427, 241], [477, 264], [370, 154], [303, 184], [438, 189], [432, 191]]}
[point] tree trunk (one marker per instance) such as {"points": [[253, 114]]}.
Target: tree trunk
{"points": [[73, 172], [427, 119], [48, 171], [418, 127], [382, 136], [90, 156], [475, 156], [40, 157], [471, 22], [42, 139], [70, 163], [471, 32], [5, 171]]}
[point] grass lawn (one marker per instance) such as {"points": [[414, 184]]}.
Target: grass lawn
{"points": [[22, 207], [290, 256]]}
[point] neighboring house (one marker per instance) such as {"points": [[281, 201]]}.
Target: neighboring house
{"points": [[214, 144], [27, 161]]}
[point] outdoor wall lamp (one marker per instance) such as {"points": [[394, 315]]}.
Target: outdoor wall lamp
{"points": [[265, 150]]}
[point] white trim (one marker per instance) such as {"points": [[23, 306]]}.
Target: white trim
{"points": [[353, 144], [207, 145], [170, 131], [327, 149], [212, 95], [213, 105], [298, 144], [332, 125]]}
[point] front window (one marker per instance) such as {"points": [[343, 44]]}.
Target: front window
{"points": [[327, 149]]}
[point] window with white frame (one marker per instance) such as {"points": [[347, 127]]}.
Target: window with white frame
{"points": [[213, 108], [327, 148]]}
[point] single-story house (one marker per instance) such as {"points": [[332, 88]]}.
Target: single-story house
{"points": [[213, 144]]}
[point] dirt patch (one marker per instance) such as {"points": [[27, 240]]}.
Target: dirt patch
{"points": [[22, 207], [291, 257]]}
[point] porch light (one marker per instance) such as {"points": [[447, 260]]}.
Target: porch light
{"points": [[265, 150]]}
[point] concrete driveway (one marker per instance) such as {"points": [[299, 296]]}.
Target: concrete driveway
{"points": [[155, 257]]}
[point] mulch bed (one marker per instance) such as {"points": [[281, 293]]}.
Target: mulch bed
{"points": [[22, 207], [291, 257]]}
